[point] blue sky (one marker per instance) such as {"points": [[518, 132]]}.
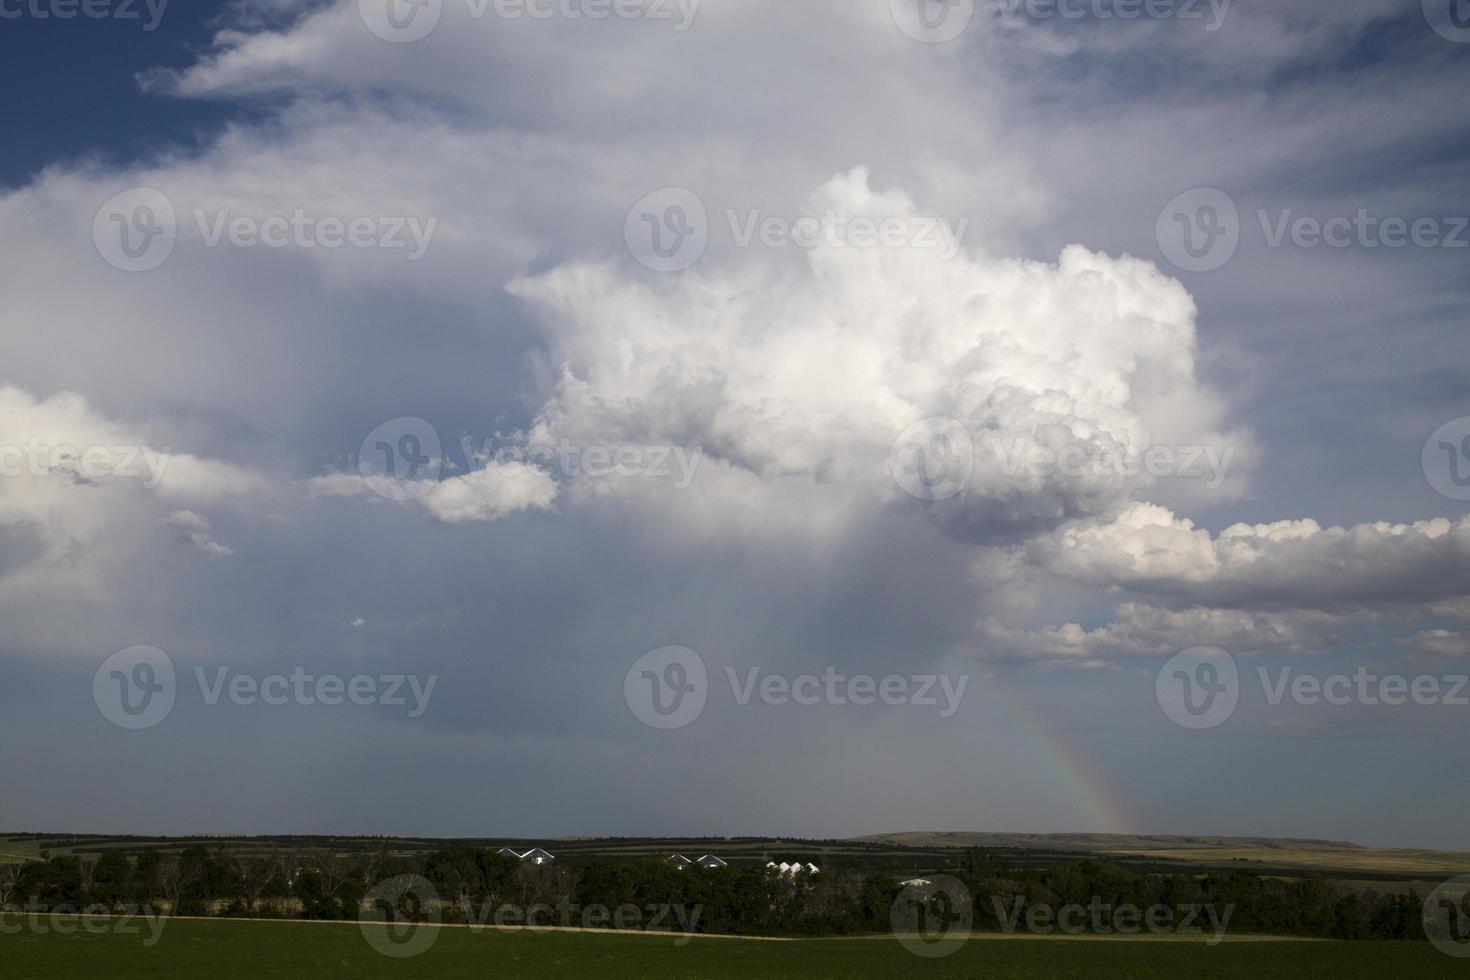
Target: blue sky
{"points": [[80, 93], [1018, 350]]}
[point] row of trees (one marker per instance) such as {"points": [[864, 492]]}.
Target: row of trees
{"points": [[198, 881], [477, 885], [1278, 906]]}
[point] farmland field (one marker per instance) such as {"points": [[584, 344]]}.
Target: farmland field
{"points": [[223, 950], [1273, 854]]}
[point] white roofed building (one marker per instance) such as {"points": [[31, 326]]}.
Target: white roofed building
{"points": [[791, 869]]}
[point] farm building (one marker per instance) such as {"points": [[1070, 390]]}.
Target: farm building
{"points": [[679, 861], [710, 861], [535, 855]]}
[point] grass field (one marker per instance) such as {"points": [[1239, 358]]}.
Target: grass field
{"points": [[1381, 868], [226, 950], [1344, 862]]}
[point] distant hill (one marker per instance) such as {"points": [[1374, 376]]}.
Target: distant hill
{"points": [[1101, 842]]}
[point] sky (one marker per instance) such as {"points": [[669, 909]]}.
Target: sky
{"points": [[552, 417]]}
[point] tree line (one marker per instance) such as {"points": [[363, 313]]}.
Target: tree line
{"points": [[478, 886]]}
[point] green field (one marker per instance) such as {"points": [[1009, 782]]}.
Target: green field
{"points": [[224, 950]]}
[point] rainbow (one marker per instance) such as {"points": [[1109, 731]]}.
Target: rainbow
{"points": [[1074, 776]]}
